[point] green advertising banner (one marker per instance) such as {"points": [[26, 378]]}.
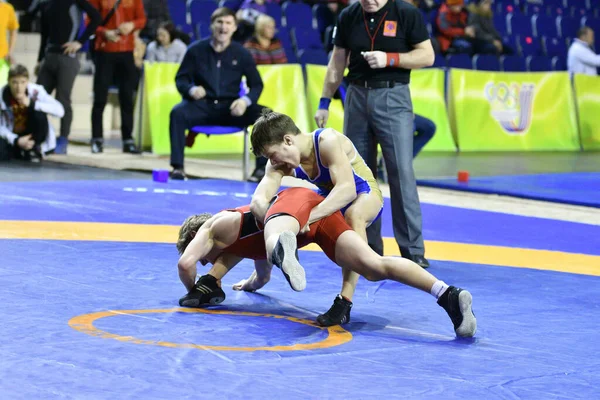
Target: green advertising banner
{"points": [[427, 91], [587, 93], [495, 111], [4, 67], [283, 92], [315, 77]]}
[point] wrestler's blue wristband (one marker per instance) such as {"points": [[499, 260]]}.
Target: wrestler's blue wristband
{"points": [[324, 103]]}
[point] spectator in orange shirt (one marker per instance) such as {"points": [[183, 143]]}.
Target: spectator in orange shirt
{"points": [[8, 24], [264, 46], [114, 47]]}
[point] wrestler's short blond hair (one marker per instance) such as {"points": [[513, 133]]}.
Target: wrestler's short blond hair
{"points": [[189, 228]]}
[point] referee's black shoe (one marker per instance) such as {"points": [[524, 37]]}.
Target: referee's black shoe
{"points": [[207, 291]]}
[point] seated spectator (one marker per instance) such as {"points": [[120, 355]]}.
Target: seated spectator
{"points": [[24, 107], [246, 16], [452, 24], [157, 12], [166, 47], [209, 81], [581, 59], [459, 35], [480, 18], [264, 46]]}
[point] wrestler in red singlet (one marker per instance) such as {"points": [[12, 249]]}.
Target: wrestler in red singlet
{"points": [[297, 203]]}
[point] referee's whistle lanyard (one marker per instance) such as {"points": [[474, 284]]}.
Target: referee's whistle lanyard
{"points": [[372, 37]]}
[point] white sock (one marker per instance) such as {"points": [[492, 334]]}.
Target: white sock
{"points": [[438, 288]]}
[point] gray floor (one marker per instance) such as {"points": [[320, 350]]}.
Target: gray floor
{"points": [[16, 170]]}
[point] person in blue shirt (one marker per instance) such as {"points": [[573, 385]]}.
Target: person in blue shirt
{"points": [[329, 160]]}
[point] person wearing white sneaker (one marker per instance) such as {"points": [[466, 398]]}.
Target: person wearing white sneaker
{"points": [[231, 235]]}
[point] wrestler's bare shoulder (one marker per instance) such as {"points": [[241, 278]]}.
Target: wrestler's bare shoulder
{"points": [[331, 135], [225, 224]]}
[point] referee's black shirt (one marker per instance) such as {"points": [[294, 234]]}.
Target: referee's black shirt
{"points": [[401, 26]]}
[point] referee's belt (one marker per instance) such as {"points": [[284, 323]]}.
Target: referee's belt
{"points": [[375, 84]]}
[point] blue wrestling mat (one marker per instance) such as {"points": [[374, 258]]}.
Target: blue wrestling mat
{"points": [[577, 188], [90, 288]]}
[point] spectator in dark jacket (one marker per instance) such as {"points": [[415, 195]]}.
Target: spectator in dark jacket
{"points": [[480, 18], [209, 79], [58, 68]]}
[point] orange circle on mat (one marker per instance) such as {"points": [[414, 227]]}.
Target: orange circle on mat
{"points": [[85, 323]]}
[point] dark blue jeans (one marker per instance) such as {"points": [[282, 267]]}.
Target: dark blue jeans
{"points": [[424, 131]]}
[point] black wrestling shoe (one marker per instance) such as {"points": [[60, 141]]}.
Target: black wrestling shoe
{"points": [[97, 146], [207, 291], [285, 257], [457, 303], [129, 147], [178, 175], [338, 314]]}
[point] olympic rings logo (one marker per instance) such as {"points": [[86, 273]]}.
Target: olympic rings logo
{"points": [[511, 105]]}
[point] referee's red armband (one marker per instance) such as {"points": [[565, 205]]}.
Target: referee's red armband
{"points": [[393, 60]]}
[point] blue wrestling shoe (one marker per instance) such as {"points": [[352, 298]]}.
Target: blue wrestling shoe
{"points": [[457, 302], [207, 291], [285, 257]]}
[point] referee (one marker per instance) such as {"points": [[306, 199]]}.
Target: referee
{"points": [[384, 39]]}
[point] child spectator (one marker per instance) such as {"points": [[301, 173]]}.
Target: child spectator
{"points": [[24, 107]]}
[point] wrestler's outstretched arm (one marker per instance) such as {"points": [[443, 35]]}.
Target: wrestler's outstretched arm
{"points": [[266, 189], [259, 278], [198, 248]]}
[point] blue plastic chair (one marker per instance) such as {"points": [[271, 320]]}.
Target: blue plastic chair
{"points": [[297, 15], [201, 10], [538, 63], [313, 56], [559, 63], [274, 11], [530, 46], [461, 61], [520, 25], [568, 26], [486, 62], [306, 39], [178, 12], [228, 130], [555, 47], [544, 25], [513, 64]]}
